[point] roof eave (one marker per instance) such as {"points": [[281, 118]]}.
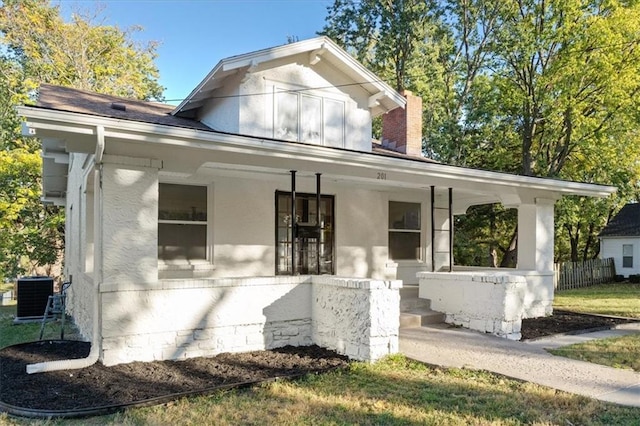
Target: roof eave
{"points": [[81, 123]]}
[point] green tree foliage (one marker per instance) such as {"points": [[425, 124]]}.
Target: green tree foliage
{"points": [[79, 53], [38, 46], [537, 87], [389, 37]]}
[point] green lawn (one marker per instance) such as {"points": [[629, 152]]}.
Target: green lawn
{"points": [[395, 391], [619, 352], [621, 299], [11, 334]]}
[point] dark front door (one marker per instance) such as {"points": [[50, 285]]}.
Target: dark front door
{"points": [[304, 238]]}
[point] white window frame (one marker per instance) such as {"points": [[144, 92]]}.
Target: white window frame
{"points": [[419, 254], [325, 99], [208, 224], [627, 254]]}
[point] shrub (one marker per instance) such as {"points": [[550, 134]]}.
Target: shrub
{"points": [[618, 278], [634, 279]]}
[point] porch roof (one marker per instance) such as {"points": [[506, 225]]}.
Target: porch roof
{"points": [[206, 150]]}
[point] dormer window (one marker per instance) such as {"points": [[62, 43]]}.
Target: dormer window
{"points": [[302, 117]]}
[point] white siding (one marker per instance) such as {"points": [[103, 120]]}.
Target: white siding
{"points": [[612, 247], [248, 105]]}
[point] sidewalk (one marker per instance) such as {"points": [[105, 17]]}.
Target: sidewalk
{"points": [[458, 347]]}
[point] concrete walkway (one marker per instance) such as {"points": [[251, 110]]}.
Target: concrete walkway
{"points": [[458, 347]]}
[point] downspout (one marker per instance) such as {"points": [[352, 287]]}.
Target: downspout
{"points": [[94, 353]]}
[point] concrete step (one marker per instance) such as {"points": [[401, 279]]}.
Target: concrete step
{"points": [[409, 300], [420, 317]]}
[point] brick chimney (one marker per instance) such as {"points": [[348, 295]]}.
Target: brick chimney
{"points": [[402, 128]]}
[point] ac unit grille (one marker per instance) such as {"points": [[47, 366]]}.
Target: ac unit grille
{"points": [[32, 296]]}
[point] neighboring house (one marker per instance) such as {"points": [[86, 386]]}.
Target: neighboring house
{"points": [[620, 240], [258, 213]]}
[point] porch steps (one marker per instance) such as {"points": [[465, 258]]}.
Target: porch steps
{"points": [[416, 312]]}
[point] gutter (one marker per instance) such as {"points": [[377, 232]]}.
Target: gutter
{"points": [[96, 338]]}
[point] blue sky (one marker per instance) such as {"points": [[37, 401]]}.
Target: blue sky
{"points": [[195, 34]]}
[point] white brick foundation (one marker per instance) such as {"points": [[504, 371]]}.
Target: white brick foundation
{"points": [[490, 302], [181, 319]]}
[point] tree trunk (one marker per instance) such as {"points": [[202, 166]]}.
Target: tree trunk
{"points": [[573, 241], [510, 257], [590, 241]]}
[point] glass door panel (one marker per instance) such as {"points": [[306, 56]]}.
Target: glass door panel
{"points": [[313, 238]]}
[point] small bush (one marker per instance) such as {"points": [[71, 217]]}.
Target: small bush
{"points": [[618, 278], [634, 279]]}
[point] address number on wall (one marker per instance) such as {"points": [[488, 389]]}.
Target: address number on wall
{"points": [[381, 176]]}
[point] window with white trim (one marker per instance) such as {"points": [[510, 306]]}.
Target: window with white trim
{"points": [[627, 255], [308, 118], [182, 222], [404, 230]]}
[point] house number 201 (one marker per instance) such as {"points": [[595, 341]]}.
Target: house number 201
{"points": [[382, 176]]}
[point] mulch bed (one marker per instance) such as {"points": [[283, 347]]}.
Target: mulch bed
{"points": [[100, 386], [567, 322]]}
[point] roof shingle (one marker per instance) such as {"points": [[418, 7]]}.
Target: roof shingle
{"points": [[85, 102], [625, 224]]}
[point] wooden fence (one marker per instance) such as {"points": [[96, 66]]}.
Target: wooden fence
{"points": [[570, 275]]}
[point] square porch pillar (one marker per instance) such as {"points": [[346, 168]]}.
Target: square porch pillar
{"points": [[441, 232], [129, 221], [536, 235]]}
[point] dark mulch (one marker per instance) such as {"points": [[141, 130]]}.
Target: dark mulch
{"points": [[99, 386], [567, 322]]}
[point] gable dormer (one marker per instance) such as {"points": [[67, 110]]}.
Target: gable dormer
{"points": [[310, 91]]}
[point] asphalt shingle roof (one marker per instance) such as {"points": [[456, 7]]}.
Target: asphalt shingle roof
{"points": [[61, 98], [625, 224], [82, 101]]}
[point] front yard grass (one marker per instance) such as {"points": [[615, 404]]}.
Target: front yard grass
{"points": [[11, 334], [619, 299], [619, 352], [395, 391]]}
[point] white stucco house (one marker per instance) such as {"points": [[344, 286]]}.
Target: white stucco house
{"points": [[258, 213], [620, 240]]}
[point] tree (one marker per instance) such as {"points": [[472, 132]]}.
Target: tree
{"points": [[570, 71], [384, 35], [539, 87], [37, 46], [79, 53]]}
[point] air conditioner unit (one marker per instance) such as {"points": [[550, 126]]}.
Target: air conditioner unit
{"points": [[32, 296]]}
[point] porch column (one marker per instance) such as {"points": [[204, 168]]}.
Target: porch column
{"points": [[441, 230], [129, 221], [536, 235]]}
